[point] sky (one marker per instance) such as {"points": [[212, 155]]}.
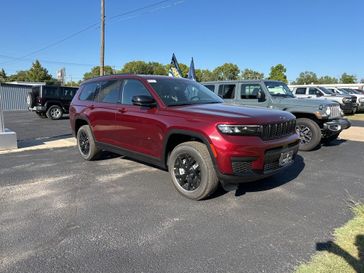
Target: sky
{"points": [[323, 36]]}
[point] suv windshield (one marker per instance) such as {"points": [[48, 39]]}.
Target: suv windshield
{"points": [[326, 91], [278, 89], [183, 92]]}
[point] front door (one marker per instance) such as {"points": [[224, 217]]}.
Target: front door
{"points": [[138, 128], [248, 95]]}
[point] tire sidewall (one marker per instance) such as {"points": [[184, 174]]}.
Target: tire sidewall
{"points": [[316, 134], [201, 190], [30, 100], [85, 129], [49, 115]]}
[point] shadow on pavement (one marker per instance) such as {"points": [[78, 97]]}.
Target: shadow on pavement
{"points": [[356, 264]]}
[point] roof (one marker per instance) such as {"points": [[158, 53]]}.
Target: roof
{"points": [[141, 76]]}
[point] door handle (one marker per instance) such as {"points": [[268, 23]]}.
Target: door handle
{"points": [[122, 110]]}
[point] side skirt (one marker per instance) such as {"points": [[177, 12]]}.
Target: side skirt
{"points": [[133, 155]]}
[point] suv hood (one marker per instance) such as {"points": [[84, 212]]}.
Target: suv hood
{"points": [[302, 102], [230, 113]]}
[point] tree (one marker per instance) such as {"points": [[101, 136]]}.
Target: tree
{"points": [[227, 71], [37, 73], [21, 76], [306, 77], [204, 75], [327, 80], [3, 76], [278, 73], [95, 72], [249, 74], [141, 67], [346, 78]]}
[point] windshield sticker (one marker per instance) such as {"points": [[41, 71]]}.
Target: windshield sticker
{"points": [[152, 81]]}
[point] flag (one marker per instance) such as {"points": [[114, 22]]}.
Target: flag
{"points": [[174, 70], [191, 71]]}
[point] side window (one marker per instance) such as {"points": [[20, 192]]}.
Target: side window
{"points": [[109, 92], [313, 91], [227, 91], [68, 93], [211, 87], [51, 92], [88, 91], [250, 91], [132, 88], [301, 91]]}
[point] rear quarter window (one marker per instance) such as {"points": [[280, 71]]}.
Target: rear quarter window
{"points": [[88, 91], [300, 91]]}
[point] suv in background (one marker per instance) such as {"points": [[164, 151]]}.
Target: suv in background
{"points": [[316, 119], [179, 125], [352, 92], [347, 102], [50, 101]]}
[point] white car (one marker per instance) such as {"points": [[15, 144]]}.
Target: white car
{"points": [[348, 91]]}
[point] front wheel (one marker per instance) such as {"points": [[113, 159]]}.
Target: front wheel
{"points": [[192, 170], [309, 132], [86, 143]]}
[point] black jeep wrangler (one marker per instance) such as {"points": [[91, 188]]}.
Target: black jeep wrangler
{"points": [[50, 101]]}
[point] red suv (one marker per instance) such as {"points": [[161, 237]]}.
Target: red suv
{"points": [[180, 125]]}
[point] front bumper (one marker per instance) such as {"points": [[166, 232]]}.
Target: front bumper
{"points": [[361, 106], [336, 125], [37, 108], [247, 164], [348, 108]]}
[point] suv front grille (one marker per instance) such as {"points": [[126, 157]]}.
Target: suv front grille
{"points": [[335, 111], [277, 130]]}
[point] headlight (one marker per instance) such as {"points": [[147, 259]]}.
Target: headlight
{"points": [[346, 100], [245, 130], [361, 99], [328, 111]]}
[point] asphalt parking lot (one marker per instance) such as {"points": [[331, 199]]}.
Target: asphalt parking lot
{"points": [[59, 213]]}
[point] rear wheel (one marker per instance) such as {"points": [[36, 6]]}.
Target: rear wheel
{"points": [[86, 143], [309, 132], [55, 112], [192, 170]]}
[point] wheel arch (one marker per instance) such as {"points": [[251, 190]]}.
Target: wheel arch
{"points": [[175, 137]]}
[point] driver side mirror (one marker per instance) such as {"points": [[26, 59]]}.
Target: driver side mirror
{"points": [[261, 96], [318, 93]]}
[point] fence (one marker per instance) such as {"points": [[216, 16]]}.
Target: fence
{"points": [[13, 97]]}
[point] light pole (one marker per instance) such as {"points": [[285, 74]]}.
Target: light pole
{"points": [[102, 47]]}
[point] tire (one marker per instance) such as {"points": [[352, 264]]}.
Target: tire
{"points": [[310, 134], [41, 114], [330, 138], [197, 181], [30, 100], [55, 112], [86, 143]]}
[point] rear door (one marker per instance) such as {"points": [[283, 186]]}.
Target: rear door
{"points": [[106, 104], [67, 94]]}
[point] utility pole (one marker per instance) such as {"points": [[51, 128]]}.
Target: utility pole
{"points": [[102, 47]]}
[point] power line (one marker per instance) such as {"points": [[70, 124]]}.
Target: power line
{"points": [[90, 27]]}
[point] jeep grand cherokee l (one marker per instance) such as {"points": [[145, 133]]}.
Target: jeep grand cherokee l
{"points": [[179, 125]]}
